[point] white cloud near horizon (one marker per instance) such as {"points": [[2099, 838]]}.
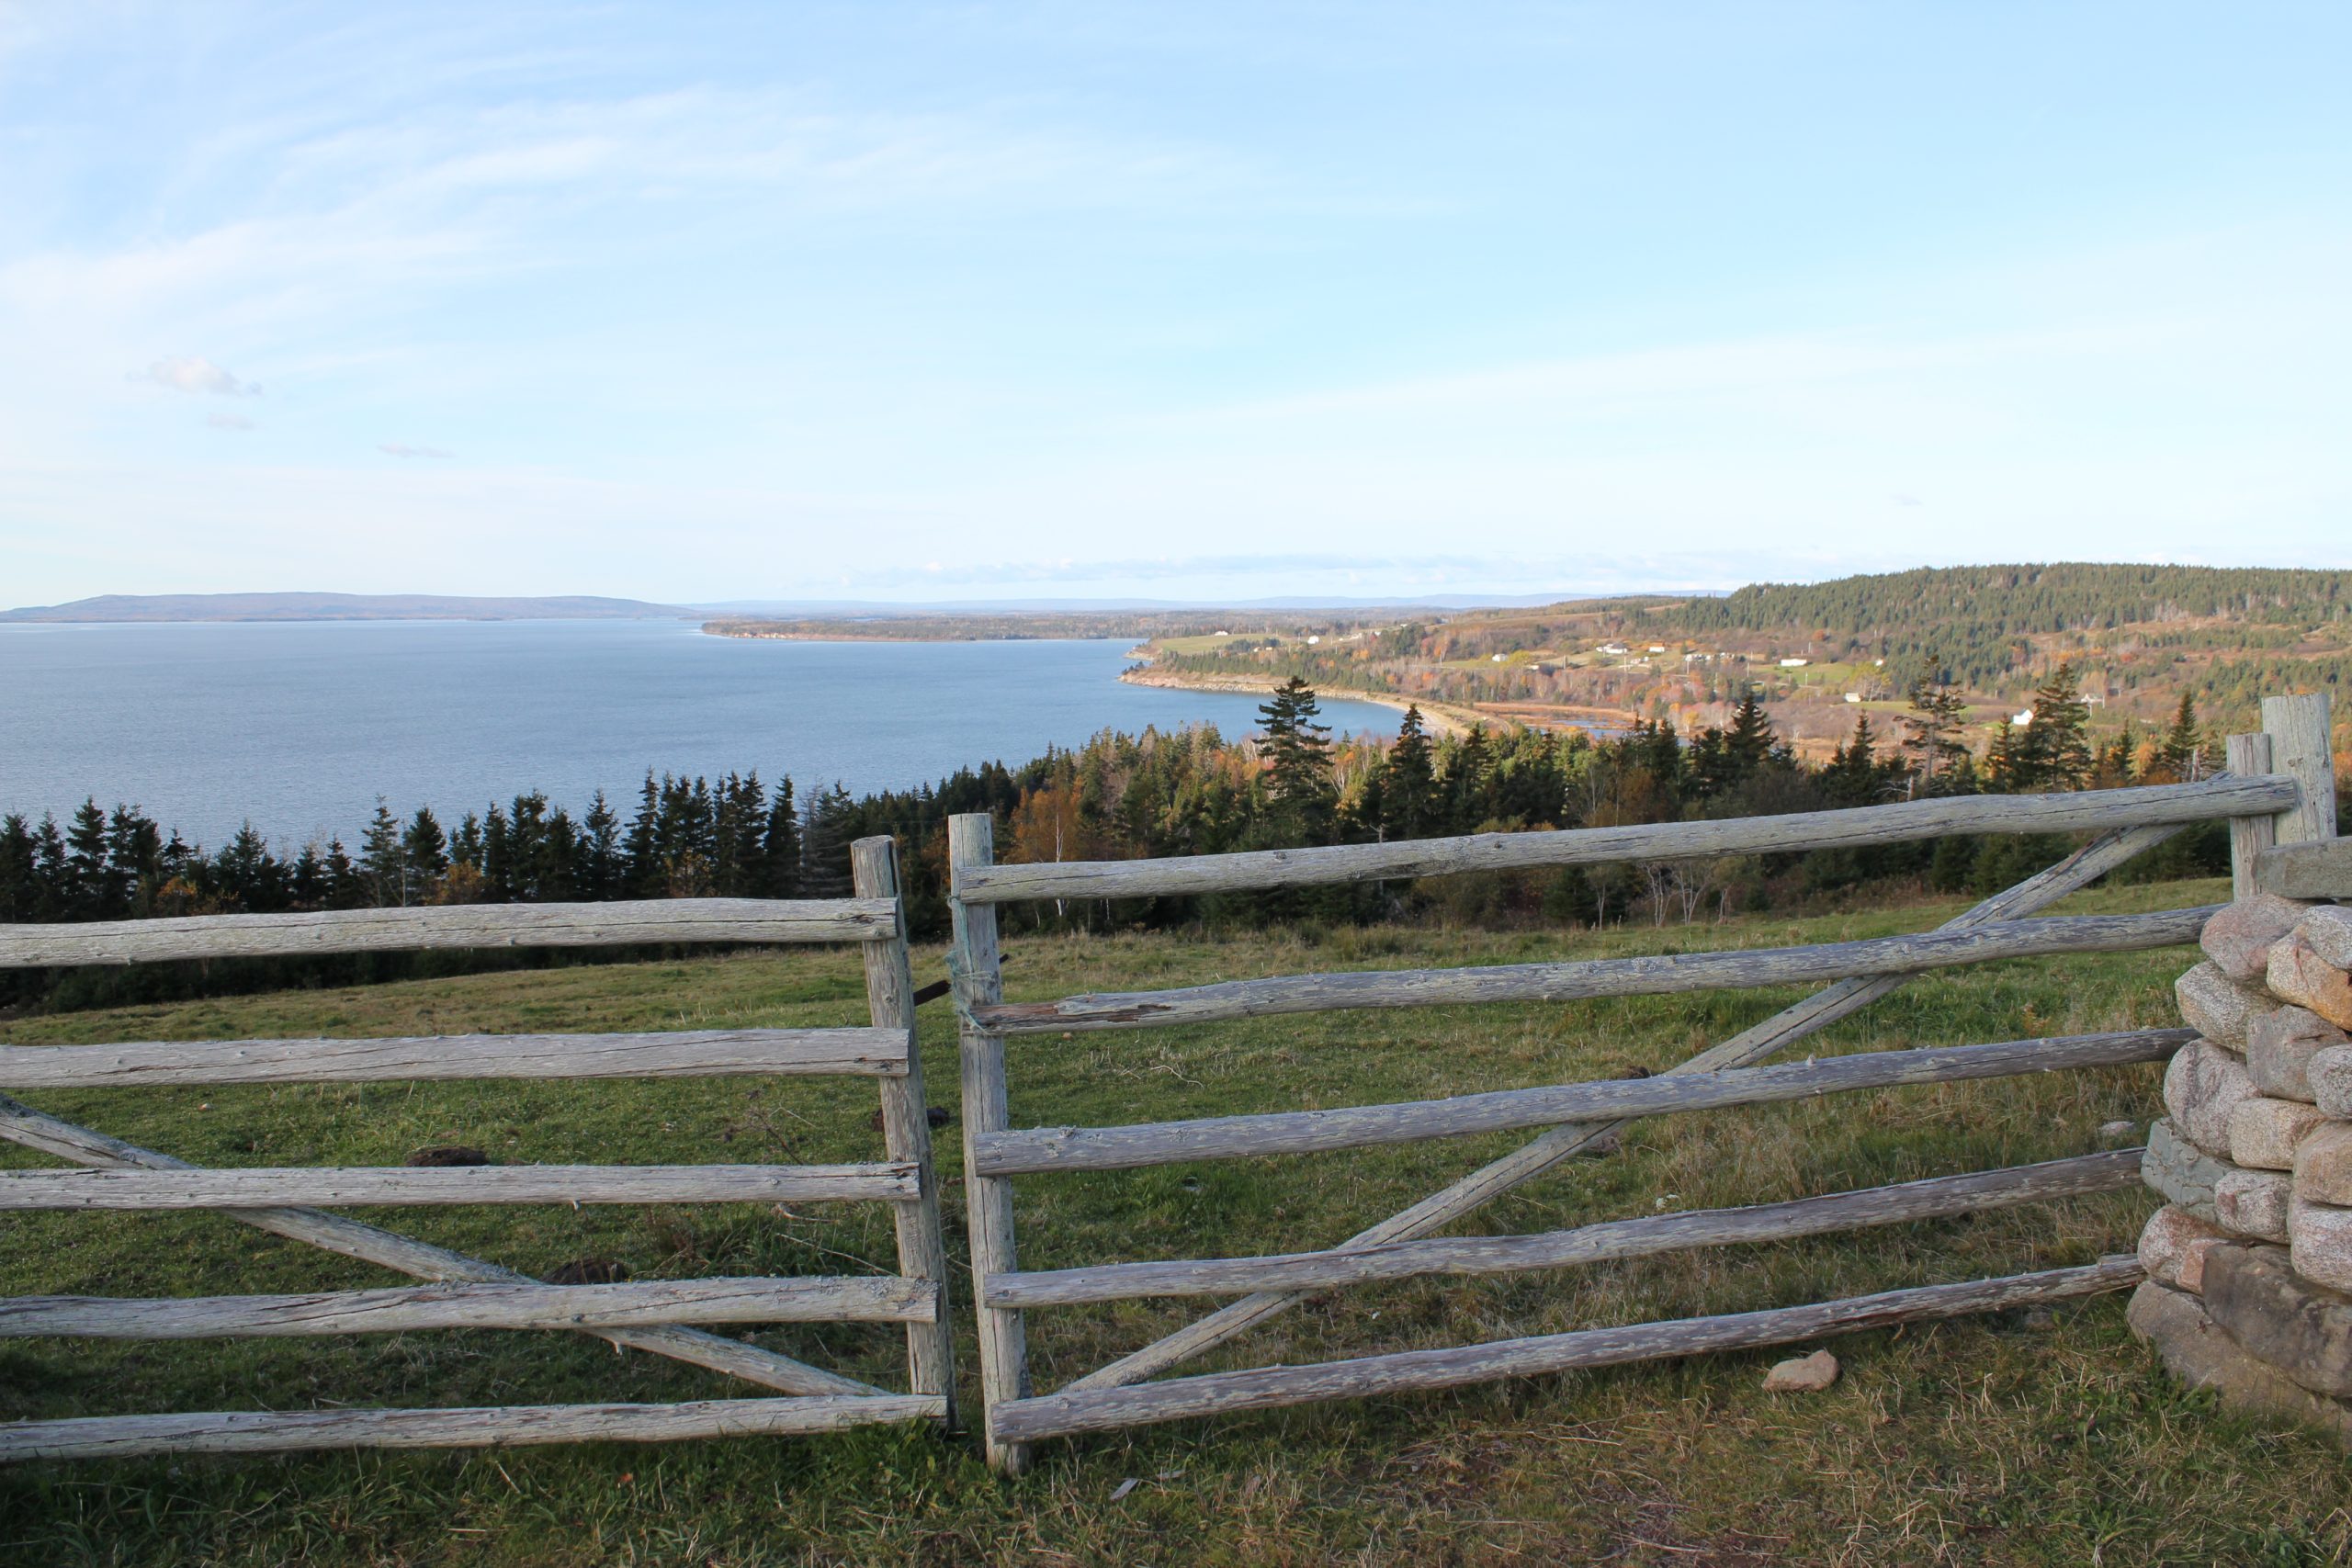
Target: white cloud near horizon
{"points": [[190, 373]]}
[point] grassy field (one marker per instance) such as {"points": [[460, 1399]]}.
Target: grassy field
{"points": [[2022, 1438]]}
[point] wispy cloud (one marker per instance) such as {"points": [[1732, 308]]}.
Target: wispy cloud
{"points": [[228, 421], [402, 450], [192, 373]]}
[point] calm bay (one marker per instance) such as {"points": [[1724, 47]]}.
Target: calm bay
{"points": [[300, 726]]}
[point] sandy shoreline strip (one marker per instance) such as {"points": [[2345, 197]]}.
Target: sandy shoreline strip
{"points": [[1436, 720]]}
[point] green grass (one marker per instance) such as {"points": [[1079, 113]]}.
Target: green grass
{"points": [[2049, 1439]]}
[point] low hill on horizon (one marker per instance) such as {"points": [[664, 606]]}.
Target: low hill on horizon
{"points": [[144, 607]]}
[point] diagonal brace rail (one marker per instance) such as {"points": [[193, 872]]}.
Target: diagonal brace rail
{"points": [[1483, 1185], [20, 1123]]}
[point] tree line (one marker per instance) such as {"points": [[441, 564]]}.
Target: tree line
{"points": [[1189, 792]]}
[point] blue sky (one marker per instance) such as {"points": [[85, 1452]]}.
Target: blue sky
{"points": [[907, 301]]}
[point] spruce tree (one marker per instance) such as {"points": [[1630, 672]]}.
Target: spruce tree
{"points": [[384, 861], [824, 844], [1751, 740], [134, 861], [2180, 755], [1467, 773], [780, 847], [2055, 751], [20, 890], [1408, 799], [347, 889], [86, 864], [1299, 753], [1933, 735], [425, 849], [601, 863], [640, 849]]}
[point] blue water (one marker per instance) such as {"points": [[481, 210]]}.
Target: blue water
{"points": [[299, 728]]}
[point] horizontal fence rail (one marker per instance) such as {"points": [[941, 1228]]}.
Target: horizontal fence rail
{"points": [[1660, 974], [702, 1053], [1408, 1371], [20, 1123], [1256, 869], [248, 1431], [1549, 1149], [1304, 1132], [465, 1293], [617, 924], [1936, 1198], [637, 1304], [402, 1185]]}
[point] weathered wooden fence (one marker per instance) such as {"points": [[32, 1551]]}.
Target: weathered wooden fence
{"points": [[662, 1318], [2268, 812]]}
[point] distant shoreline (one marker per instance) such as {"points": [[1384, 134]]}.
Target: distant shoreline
{"points": [[1436, 720]]}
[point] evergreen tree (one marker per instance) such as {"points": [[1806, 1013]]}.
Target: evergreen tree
{"points": [[20, 888], [640, 848], [134, 861], [308, 884], [1933, 735], [49, 869], [1467, 769], [2055, 751], [602, 865], [1854, 776], [1299, 753], [85, 865], [382, 860], [2180, 755], [1751, 740], [347, 889], [1407, 783], [824, 854], [780, 847], [250, 879], [497, 856], [425, 849]]}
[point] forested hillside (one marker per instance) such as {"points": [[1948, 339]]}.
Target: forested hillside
{"points": [[2138, 638]]}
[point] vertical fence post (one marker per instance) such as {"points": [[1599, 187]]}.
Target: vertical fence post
{"points": [[979, 981], [2249, 836], [906, 1126], [2301, 748]]}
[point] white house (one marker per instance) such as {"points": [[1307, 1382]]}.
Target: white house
{"points": [[1794, 663]]}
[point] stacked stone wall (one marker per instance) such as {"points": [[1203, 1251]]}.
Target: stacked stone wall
{"points": [[2249, 1288]]}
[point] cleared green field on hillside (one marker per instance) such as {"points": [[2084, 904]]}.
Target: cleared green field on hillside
{"points": [[2038, 1439]]}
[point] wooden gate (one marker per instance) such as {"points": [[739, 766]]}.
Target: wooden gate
{"points": [[662, 1318], [1575, 1117]]}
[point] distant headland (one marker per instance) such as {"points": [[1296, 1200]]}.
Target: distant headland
{"points": [[118, 607]]}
